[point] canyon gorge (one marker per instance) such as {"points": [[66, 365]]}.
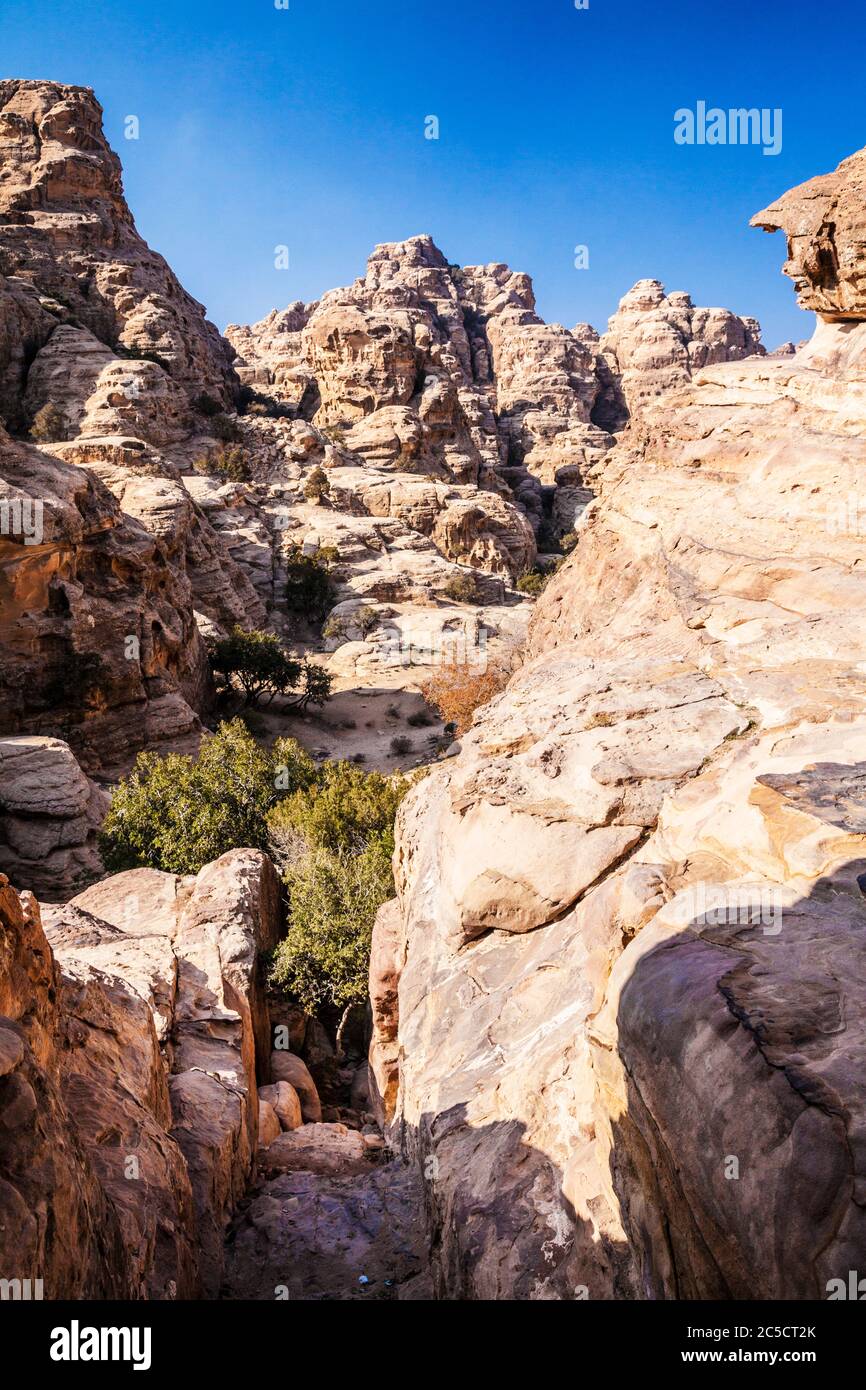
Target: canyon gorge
{"points": [[615, 1036]]}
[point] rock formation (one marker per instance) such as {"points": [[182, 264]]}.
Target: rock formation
{"points": [[629, 1009], [50, 813], [617, 1006], [104, 559], [656, 341], [825, 224], [69, 247], [133, 1035]]}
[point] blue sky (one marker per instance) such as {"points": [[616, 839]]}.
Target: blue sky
{"points": [[304, 127]]}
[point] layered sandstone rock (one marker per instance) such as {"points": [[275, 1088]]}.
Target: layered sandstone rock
{"points": [[824, 222], [50, 813], [67, 236], [629, 1009], [146, 1015], [656, 342], [57, 1224], [97, 631], [99, 592]]}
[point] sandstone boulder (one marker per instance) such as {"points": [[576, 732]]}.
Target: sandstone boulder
{"points": [[285, 1066]]}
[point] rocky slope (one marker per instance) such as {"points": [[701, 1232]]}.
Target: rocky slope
{"points": [[626, 1044]]}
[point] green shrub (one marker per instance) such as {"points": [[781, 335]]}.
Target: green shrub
{"points": [[309, 586], [532, 582], [334, 838], [333, 901], [462, 588], [342, 809], [178, 813], [317, 485], [49, 425], [227, 461], [223, 427]]}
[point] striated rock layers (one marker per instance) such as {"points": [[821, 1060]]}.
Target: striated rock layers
{"points": [[104, 557], [619, 1017], [132, 1024], [70, 254]]}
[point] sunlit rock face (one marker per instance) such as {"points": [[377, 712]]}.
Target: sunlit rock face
{"points": [[626, 1044], [134, 1011], [69, 249], [656, 341], [824, 221]]}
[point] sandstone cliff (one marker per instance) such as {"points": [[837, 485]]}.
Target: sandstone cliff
{"points": [[626, 1044], [132, 1030], [104, 557]]}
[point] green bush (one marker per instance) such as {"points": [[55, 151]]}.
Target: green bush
{"points": [[309, 586], [333, 901], [227, 461], [223, 427], [532, 582], [257, 661], [463, 588], [49, 425], [317, 485], [334, 839], [178, 813], [342, 809]]}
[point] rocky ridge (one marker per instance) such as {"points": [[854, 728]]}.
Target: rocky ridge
{"points": [[619, 1010]]}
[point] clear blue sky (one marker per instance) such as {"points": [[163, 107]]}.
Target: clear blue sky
{"points": [[305, 127]]}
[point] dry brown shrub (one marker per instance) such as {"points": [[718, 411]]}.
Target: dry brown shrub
{"points": [[458, 689]]}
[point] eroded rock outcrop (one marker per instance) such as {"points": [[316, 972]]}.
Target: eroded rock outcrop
{"points": [[825, 225], [135, 1035], [630, 1004], [656, 342], [50, 813], [69, 245], [104, 557], [57, 1223]]}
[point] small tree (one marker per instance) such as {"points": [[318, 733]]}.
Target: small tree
{"points": [[333, 901], [257, 661], [49, 425], [318, 485], [227, 461], [462, 588], [315, 688], [309, 586], [334, 838]]}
